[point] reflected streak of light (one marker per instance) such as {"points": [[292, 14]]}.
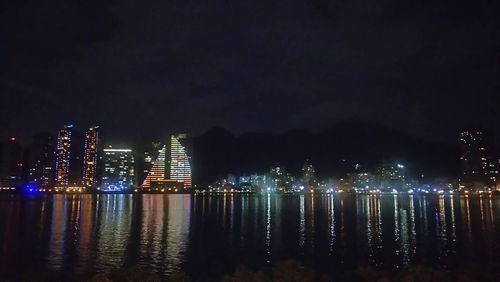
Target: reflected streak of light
{"points": [[424, 210], [115, 225], [467, 211], [86, 229], [481, 208], [313, 228], [413, 238], [231, 218], [396, 220], [492, 218], [152, 225], [243, 219], [224, 199], [453, 225], [56, 243], [302, 225], [178, 228], [369, 227], [442, 218], [375, 223], [441, 227], [342, 218], [268, 228], [405, 245], [331, 217]]}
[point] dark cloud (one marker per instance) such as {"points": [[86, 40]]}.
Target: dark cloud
{"points": [[141, 69]]}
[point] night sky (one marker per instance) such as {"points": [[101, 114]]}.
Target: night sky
{"points": [[141, 69]]}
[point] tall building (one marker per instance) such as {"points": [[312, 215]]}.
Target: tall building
{"points": [[11, 170], [180, 164], [62, 156], [157, 171], [172, 168], [90, 157], [478, 171], [118, 172], [41, 171]]}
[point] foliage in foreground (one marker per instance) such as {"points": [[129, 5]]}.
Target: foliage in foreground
{"points": [[288, 270]]}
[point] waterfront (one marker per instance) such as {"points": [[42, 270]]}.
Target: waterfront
{"points": [[208, 235]]}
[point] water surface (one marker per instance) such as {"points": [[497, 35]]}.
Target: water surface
{"points": [[208, 235]]}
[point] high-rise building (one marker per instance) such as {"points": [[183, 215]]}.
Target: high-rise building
{"points": [[62, 156], [171, 167], [157, 171], [11, 170], [118, 172], [41, 171], [478, 169], [180, 164], [90, 157]]}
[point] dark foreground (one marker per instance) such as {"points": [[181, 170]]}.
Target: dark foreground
{"points": [[289, 270]]}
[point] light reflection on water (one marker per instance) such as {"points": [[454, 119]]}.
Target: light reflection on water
{"points": [[209, 234]]}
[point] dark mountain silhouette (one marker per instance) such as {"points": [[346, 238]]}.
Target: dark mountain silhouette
{"points": [[333, 151]]}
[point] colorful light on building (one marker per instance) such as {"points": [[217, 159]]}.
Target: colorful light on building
{"points": [[90, 157], [180, 167], [157, 171], [118, 170], [63, 156]]}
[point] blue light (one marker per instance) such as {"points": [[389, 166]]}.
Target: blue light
{"points": [[31, 188]]}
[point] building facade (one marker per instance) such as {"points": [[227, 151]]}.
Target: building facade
{"points": [[157, 171], [62, 157], [91, 157], [119, 174], [172, 164], [180, 162]]}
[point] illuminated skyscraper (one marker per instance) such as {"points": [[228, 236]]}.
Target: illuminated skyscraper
{"points": [[63, 156], [157, 171], [180, 166], [118, 170], [172, 169], [91, 157]]}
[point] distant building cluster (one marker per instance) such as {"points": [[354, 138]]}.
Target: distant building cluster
{"points": [[389, 177], [479, 164], [82, 163]]}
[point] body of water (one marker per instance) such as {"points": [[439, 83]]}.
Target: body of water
{"points": [[208, 235]]}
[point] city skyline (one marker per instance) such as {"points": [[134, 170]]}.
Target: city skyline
{"points": [[84, 166]]}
